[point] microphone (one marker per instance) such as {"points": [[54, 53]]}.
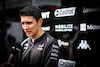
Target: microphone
{"points": [[14, 52]]}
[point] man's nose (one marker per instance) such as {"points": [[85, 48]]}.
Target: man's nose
{"points": [[25, 27]]}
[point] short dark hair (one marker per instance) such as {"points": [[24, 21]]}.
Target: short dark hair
{"points": [[31, 10]]}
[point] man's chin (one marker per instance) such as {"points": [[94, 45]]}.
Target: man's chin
{"points": [[28, 35]]}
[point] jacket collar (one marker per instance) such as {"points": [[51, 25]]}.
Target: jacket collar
{"points": [[40, 38]]}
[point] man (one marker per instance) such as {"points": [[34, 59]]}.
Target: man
{"points": [[39, 49]]}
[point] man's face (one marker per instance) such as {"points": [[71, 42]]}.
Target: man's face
{"points": [[29, 25]]}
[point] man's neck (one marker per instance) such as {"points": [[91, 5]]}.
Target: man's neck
{"points": [[38, 35]]}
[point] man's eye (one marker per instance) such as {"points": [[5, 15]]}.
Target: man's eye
{"points": [[29, 22], [22, 22]]}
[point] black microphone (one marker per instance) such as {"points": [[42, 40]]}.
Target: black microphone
{"points": [[14, 52]]}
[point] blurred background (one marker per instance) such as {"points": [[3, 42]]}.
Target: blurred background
{"points": [[75, 23]]}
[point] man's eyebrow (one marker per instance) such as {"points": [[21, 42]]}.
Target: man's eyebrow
{"points": [[27, 22]]}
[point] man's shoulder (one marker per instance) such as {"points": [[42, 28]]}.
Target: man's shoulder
{"points": [[25, 41]]}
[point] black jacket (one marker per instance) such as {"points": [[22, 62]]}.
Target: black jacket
{"points": [[43, 53]]}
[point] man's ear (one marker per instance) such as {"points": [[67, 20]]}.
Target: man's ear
{"points": [[40, 21]]}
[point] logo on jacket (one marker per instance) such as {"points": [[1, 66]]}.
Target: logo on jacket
{"points": [[26, 46], [40, 47], [84, 45]]}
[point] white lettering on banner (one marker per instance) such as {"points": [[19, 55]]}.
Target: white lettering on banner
{"points": [[87, 10], [65, 12], [84, 45], [66, 63], [45, 15], [93, 27], [62, 43], [46, 28], [85, 27], [63, 27]]}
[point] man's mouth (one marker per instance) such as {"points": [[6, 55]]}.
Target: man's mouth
{"points": [[28, 32]]}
